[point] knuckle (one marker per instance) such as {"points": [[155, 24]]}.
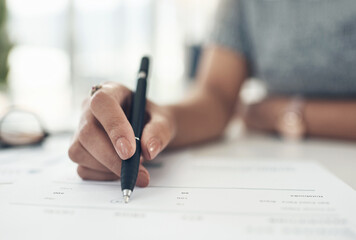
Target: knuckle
{"points": [[85, 132], [73, 151], [122, 93], [81, 172], [98, 99]]}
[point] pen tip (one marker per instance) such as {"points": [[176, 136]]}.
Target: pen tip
{"points": [[126, 194]]}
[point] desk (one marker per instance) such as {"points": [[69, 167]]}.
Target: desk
{"points": [[66, 208], [339, 157]]}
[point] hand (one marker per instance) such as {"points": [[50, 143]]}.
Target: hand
{"points": [[264, 115], [105, 136]]}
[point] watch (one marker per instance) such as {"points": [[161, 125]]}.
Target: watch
{"points": [[291, 124]]}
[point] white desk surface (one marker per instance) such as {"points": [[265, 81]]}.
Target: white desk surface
{"points": [[56, 205], [339, 157]]}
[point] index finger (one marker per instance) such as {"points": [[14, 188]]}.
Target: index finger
{"points": [[106, 105]]}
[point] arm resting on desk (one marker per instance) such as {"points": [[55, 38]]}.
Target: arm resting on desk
{"points": [[331, 118], [323, 118]]}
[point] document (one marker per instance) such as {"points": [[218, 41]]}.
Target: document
{"points": [[188, 198]]}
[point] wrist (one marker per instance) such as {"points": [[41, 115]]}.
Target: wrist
{"points": [[290, 122], [171, 116]]}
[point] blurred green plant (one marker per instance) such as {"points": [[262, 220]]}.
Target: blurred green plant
{"points": [[5, 45]]}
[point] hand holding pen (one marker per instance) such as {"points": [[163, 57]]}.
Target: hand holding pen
{"points": [[105, 136]]}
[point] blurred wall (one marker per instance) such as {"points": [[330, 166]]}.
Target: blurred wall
{"points": [[63, 47]]}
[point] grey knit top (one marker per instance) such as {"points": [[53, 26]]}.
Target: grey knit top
{"points": [[297, 47]]}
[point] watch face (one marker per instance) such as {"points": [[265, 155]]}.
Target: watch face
{"points": [[291, 126]]}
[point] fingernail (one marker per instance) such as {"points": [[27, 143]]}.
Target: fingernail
{"points": [[153, 148], [143, 178], [123, 148]]}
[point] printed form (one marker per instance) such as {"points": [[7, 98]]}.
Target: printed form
{"points": [[188, 198]]}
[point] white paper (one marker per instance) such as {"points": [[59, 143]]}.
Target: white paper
{"points": [[188, 198]]}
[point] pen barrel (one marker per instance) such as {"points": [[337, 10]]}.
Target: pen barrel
{"points": [[129, 168], [138, 109]]}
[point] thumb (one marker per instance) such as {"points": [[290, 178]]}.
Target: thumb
{"points": [[156, 135]]}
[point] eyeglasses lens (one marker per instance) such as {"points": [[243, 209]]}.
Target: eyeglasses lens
{"points": [[20, 128]]}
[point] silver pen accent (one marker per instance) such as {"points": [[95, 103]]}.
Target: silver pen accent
{"points": [[126, 194], [141, 74]]}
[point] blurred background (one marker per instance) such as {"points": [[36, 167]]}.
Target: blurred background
{"points": [[52, 52], [56, 50]]}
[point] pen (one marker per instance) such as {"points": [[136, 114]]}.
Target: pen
{"points": [[129, 167]]}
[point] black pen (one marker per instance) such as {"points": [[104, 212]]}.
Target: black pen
{"points": [[129, 167]]}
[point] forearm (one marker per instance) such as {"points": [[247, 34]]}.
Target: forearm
{"points": [[323, 118], [205, 114], [202, 117], [328, 118]]}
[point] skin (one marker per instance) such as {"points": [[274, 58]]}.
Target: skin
{"points": [[105, 138], [323, 118]]}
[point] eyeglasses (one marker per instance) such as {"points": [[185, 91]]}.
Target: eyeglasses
{"points": [[20, 127]]}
